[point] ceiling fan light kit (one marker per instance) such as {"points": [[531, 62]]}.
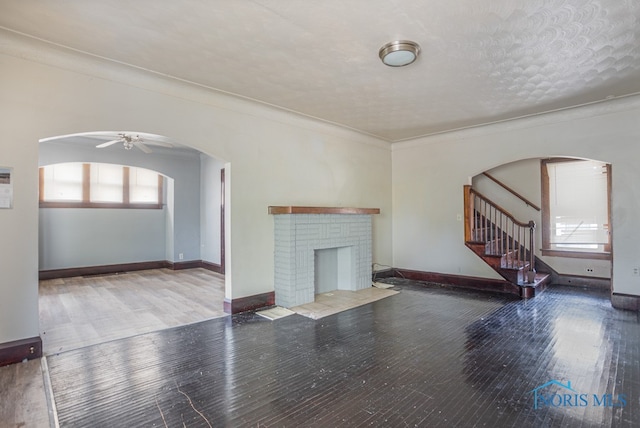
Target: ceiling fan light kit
{"points": [[399, 53]]}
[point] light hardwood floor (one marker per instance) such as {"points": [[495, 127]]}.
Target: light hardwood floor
{"points": [[23, 401], [82, 311]]}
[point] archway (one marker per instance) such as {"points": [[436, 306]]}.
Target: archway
{"points": [[518, 187], [189, 215]]}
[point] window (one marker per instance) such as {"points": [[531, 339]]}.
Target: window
{"points": [[143, 186], [62, 182], [99, 185], [575, 204], [107, 183]]}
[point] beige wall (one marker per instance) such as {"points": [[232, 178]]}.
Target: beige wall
{"points": [[429, 173], [274, 158]]}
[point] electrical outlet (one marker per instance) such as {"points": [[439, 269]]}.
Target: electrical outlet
{"points": [[181, 256], [636, 271], [459, 217], [590, 270]]}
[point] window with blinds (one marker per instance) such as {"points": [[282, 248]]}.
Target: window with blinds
{"points": [[576, 206], [61, 182], [143, 186], [106, 183], [99, 185]]}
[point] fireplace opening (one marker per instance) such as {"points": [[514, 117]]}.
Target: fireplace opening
{"points": [[334, 269]]}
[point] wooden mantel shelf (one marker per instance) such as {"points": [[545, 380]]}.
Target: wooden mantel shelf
{"points": [[322, 210]]}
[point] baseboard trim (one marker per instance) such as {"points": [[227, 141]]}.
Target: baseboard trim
{"points": [[583, 281], [101, 270], [127, 267], [19, 350], [625, 301], [470, 282], [191, 264], [213, 267], [249, 303]]}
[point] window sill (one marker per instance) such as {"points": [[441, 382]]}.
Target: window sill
{"points": [[576, 254]]}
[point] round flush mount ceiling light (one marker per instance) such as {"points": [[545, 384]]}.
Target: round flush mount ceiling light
{"points": [[399, 53]]}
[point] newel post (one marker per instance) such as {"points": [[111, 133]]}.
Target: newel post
{"points": [[532, 239], [532, 252]]}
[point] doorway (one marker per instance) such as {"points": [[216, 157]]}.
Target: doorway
{"points": [[102, 285]]}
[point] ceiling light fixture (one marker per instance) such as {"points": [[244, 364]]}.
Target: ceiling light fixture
{"points": [[399, 53]]}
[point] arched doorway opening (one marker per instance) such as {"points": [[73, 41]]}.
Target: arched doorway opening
{"points": [[152, 268], [522, 188]]}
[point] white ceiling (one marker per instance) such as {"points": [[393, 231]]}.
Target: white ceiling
{"points": [[482, 60]]}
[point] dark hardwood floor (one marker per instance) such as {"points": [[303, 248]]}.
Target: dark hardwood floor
{"points": [[428, 356]]}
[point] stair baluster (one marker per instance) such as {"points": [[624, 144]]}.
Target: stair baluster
{"points": [[509, 241]]}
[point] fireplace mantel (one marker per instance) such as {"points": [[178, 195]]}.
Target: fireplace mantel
{"points": [[321, 210]]}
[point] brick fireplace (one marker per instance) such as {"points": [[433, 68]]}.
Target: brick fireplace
{"points": [[319, 249]]}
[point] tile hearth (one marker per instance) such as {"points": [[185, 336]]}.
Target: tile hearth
{"points": [[330, 303]]}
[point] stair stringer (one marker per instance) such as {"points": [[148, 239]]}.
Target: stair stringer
{"points": [[514, 277]]}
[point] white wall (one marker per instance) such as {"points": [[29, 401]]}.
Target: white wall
{"points": [[429, 173], [277, 158], [524, 177], [19, 225]]}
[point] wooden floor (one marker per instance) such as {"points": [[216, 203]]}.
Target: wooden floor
{"points": [[428, 356], [23, 396], [82, 311]]}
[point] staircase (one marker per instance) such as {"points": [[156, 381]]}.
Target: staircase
{"points": [[504, 243]]}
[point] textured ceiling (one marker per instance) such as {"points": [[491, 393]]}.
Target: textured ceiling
{"points": [[482, 60]]}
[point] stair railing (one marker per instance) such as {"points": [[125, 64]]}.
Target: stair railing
{"points": [[510, 190], [499, 230]]}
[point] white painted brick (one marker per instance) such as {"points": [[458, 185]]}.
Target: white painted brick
{"points": [[297, 236]]}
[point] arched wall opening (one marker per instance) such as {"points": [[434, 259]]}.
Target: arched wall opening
{"points": [[190, 217], [524, 177], [141, 267]]}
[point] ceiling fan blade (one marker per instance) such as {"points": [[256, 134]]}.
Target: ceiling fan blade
{"points": [[108, 143], [142, 146], [158, 143]]}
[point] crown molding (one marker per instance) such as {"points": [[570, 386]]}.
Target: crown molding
{"points": [[32, 49], [586, 111]]}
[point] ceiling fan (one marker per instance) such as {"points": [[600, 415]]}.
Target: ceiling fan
{"points": [[129, 141]]}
